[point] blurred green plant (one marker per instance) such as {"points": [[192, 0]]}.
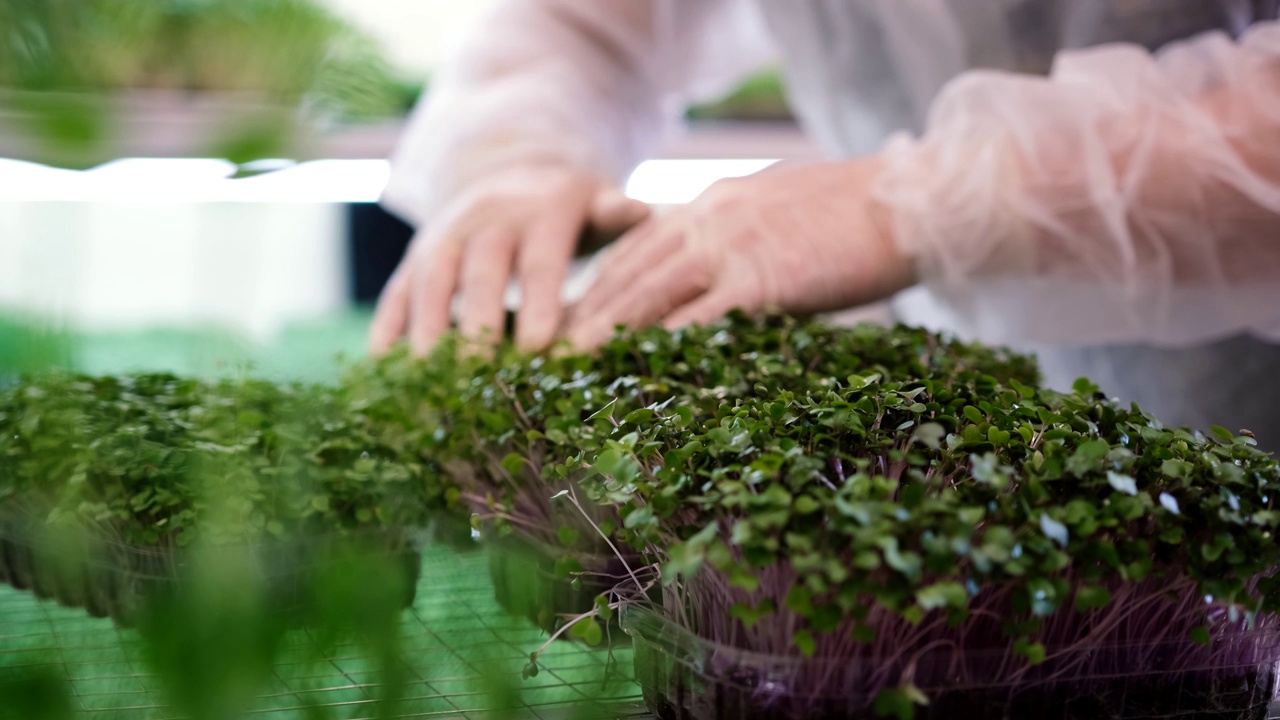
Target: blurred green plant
{"points": [[38, 691], [285, 50], [27, 346], [761, 97], [62, 60], [146, 467], [215, 640]]}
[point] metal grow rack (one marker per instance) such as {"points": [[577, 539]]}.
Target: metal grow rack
{"points": [[453, 630]]}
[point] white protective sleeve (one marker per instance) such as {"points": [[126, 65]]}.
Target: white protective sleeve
{"points": [[593, 84], [1126, 198]]}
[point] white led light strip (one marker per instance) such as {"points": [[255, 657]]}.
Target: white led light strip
{"points": [[658, 182]]}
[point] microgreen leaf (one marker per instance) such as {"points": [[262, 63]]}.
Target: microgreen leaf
{"points": [[1122, 483], [1054, 530]]}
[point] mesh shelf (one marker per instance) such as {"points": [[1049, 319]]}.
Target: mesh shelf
{"points": [[454, 634]]}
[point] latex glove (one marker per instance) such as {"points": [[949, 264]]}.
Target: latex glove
{"points": [[525, 222], [800, 239]]}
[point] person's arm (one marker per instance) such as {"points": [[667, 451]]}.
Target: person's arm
{"points": [[1127, 198]]}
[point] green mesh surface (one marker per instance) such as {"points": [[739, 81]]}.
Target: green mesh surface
{"points": [[455, 634]]}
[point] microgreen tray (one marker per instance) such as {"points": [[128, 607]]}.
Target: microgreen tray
{"points": [[684, 677]]}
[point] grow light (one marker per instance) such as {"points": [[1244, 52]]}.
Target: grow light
{"points": [[195, 180], [659, 182], [673, 182]]}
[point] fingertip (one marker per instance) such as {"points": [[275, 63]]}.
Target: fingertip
{"points": [[675, 323], [421, 343], [587, 329], [589, 336], [387, 327], [424, 330], [614, 211], [705, 309], [541, 313], [563, 350], [575, 339], [379, 343], [482, 327], [534, 332], [486, 272], [482, 346], [481, 324], [388, 322]]}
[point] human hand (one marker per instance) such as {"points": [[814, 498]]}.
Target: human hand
{"points": [[527, 220], [802, 240]]}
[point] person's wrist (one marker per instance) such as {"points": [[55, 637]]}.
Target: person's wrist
{"points": [[941, 212], [899, 269]]}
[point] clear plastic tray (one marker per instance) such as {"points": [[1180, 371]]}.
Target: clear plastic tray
{"points": [[523, 563], [90, 570], [684, 676], [525, 582]]}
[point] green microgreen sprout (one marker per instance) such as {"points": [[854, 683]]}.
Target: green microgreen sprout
{"points": [[816, 520]]}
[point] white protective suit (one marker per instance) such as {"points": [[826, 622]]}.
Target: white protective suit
{"points": [[1096, 178]]}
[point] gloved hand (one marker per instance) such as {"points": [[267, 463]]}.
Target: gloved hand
{"points": [[802, 240], [527, 220]]}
